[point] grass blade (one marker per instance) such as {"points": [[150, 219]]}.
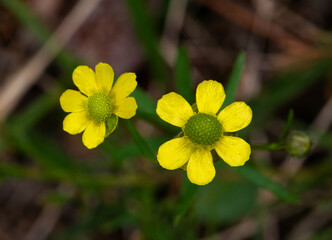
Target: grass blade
{"points": [[140, 142], [187, 195], [234, 79], [34, 112], [148, 38], [287, 126], [183, 79], [285, 87], [260, 180]]}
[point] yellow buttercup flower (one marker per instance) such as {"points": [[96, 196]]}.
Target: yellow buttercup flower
{"points": [[203, 131], [96, 107]]}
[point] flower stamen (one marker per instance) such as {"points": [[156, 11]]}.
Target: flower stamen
{"points": [[203, 129], [99, 107]]}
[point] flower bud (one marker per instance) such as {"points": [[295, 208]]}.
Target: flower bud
{"points": [[298, 143]]}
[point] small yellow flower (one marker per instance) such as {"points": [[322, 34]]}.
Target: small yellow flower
{"points": [[96, 108], [203, 131]]}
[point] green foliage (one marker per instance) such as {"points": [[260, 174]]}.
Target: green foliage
{"points": [[260, 180], [187, 195], [223, 201], [183, 81], [140, 142], [287, 86], [287, 126], [148, 37], [234, 79], [120, 152]]}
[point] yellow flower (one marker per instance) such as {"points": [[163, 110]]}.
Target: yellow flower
{"points": [[203, 131], [96, 108]]}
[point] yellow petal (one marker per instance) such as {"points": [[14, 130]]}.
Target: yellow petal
{"points": [[210, 95], [236, 116], [174, 109], [94, 134], [73, 101], [84, 79], [174, 153], [75, 123], [104, 77], [125, 108], [124, 86], [233, 150], [200, 168]]}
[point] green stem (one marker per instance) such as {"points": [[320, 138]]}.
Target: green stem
{"points": [[269, 147], [140, 142], [287, 126]]}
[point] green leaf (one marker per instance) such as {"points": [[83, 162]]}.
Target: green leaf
{"points": [[145, 102], [234, 79], [34, 111], [125, 151], [187, 195], [321, 234], [148, 38], [40, 148], [12, 170], [260, 180], [140, 142], [223, 201], [111, 124], [183, 79], [99, 219], [285, 87]]}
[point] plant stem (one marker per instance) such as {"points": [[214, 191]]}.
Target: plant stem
{"points": [[269, 147]]}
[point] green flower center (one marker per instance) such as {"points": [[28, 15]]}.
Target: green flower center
{"points": [[99, 107], [203, 129]]}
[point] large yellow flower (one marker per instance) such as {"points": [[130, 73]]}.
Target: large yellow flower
{"points": [[203, 131], [96, 108]]}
